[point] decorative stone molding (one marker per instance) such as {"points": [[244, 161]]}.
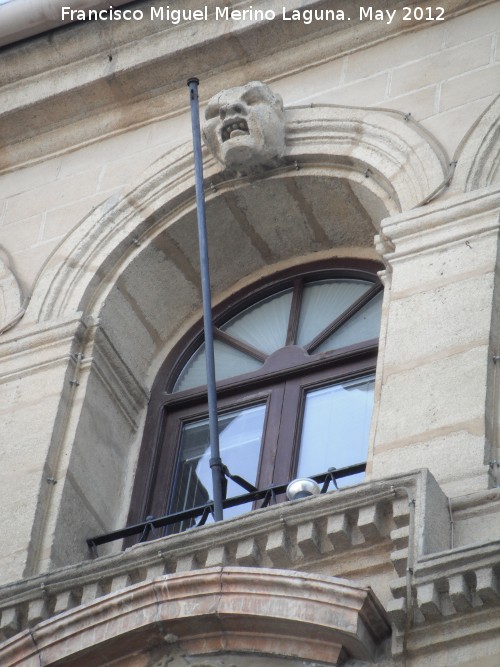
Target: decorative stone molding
{"points": [[142, 78], [397, 526], [11, 300], [33, 348], [326, 530], [390, 164], [127, 392], [387, 147], [479, 161], [272, 612], [448, 589], [442, 223], [454, 582]]}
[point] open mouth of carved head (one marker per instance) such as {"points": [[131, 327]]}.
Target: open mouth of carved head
{"points": [[236, 127]]}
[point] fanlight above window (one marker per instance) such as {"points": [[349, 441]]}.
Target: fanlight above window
{"points": [[332, 314], [295, 377]]}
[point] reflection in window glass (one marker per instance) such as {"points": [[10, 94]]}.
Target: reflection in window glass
{"points": [[264, 327], [240, 438], [335, 428]]}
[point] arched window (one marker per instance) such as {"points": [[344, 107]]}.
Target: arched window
{"points": [[295, 364]]}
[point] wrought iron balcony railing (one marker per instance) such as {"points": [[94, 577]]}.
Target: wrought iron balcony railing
{"points": [[197, 516]]}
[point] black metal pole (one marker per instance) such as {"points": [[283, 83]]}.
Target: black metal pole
{"points": [[215, 460]]}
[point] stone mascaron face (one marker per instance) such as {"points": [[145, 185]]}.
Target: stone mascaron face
{"points": [[245, 127]]}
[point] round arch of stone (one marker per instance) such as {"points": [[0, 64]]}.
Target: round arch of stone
{"points": [[209, 613], [479, 161], [124, 285], [388, 163]]}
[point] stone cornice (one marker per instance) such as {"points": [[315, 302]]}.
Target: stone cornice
{"points": [[460, 583], [63, 89], [444, 222], [32, 348], [287, 535], [400, 522], [81, 344], [278, 612]]}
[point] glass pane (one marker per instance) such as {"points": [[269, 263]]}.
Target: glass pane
{"points": [[264, 325], [240, 437], [323, 302], [364, 325], [335, 428], [228, 362]]}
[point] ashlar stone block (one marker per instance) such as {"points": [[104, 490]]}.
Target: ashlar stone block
{"points": [[248, 553], [339, 531], [9, 623], [279, 549], [92, 591], [399, 559], [429, 601], [187, 563], [441, 65], [216, 556], [396, 610], [120, 581], [155, 570], [66, 600], [308, 539], [37, 611], [487, 587], [401, 512], [460, 593], [371, 522], [400, 537]]}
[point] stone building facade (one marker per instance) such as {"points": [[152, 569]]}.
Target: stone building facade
{"points": [[390, 167]]}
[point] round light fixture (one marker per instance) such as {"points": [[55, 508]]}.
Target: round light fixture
{"points": [[302, 488]]}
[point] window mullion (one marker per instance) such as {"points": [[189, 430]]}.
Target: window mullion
{"points": [[293, 322], [290, 418], [271, 436], [239, 345]]}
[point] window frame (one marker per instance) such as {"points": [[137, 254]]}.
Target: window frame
{"points": [[290, 367]]}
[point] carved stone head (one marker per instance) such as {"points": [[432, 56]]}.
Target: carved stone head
{"points": [[245, 127]]}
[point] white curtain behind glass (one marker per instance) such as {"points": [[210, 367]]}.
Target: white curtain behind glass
{"points": [[263, 326], [335, 427], [364, 325], [228, 362], [324, 302]]}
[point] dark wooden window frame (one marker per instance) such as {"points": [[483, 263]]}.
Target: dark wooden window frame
{"points": [[291, 371]]}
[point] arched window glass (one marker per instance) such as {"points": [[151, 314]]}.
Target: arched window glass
{"points": [[363, 325], [295, 376], [229, 361], [325, 301], [264, 325]]}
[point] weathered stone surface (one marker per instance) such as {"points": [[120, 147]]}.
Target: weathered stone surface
{"points": [[245, 128], [121, 288], [342, 617], [487, 585], [428, 601]]}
